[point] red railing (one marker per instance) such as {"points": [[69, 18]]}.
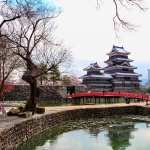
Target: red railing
{"points": [[8, 87], [134, 95]]}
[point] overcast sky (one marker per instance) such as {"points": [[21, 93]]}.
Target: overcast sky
{"points": [[89, 33]]}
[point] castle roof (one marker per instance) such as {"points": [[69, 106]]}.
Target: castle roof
{"points": [[126, 74], [122, 59], [93, 66], [110, 61], [118, 49]]}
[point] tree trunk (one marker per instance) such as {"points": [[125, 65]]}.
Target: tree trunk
{"points": [[30, 77], [2, 89], [31, 103], [32, 81]]}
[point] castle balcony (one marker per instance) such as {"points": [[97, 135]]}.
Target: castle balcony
{"points": [[126, 74], [126, 85], [119, 67], [99, 85], [95, 82], [121, 59], [118, 56], [88, 80], [125, 71], [126, 82], [125, 88]]}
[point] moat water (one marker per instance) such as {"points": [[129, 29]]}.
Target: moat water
{"points": [[119, 133]]}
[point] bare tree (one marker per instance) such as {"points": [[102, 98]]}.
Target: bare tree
{"points": [[33, 43], [8, 63]]}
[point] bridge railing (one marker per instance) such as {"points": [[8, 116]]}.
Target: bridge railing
{"points": [[136, 95]]}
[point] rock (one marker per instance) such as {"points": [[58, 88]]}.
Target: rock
{"points": [[13, 112], [40, 110], [25, 114], [21, 108]]}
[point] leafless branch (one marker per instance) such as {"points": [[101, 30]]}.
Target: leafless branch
{"points": [[118, 19], [8, 62]]}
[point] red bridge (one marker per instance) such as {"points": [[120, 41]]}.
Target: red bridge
{"points": [[109, 96]]}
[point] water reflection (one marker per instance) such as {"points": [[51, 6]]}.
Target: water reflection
{"points": [[94, 131], [119, 135], [93, 134]]}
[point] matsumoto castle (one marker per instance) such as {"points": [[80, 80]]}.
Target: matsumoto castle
{"points": [[118, 75]]}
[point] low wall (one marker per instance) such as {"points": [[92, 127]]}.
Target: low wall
{"points": [[20, 132]]}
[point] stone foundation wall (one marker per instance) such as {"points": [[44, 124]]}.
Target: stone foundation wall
{"points": [[11, 137]]}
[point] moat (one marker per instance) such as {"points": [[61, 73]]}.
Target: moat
{"points": [[119, 133]]}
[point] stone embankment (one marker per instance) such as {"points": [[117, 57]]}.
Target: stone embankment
{"points": [[14, 131]]}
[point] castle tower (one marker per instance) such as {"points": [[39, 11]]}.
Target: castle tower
{"points": [[95, 79], [119, 67]]}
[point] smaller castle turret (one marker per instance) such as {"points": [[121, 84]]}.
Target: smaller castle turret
{"points": [[95, 79]]}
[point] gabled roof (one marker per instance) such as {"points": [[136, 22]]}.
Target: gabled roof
{"points": [[118, 49], [126, 74], [122, 59], [126, 64], [93, 66]]}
